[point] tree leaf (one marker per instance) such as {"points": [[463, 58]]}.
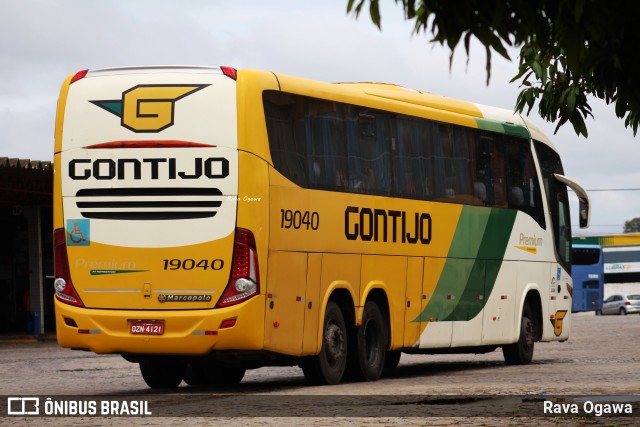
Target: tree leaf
{"points": [[585, 45], [374, 11]]}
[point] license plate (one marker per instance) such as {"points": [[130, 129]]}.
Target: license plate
{"points": [[147, 327]]}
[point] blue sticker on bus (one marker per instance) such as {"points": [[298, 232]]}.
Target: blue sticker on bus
{"points": [[78, 232], [559, 273]]}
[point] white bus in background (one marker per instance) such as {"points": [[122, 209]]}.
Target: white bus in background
{"points": [[622, 264]]}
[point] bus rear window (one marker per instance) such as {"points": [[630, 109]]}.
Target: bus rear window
{"points": [[585, 256]]}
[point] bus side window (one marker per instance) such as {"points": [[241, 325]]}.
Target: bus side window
{"points": [[287, 143], [564, 232], [483, 184], [499, 178], [369, 153], [558, 202], [412, 161], [523, 188], [327, 145]]}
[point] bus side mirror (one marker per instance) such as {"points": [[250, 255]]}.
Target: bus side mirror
{"points": [[583, 209], [584, 216]]}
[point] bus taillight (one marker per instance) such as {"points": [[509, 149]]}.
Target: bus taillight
{"points": [[244, 281], [64, 289], [79, 75], [229, 72]]}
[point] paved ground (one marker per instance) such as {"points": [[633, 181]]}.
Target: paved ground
{"points": [[601, 358]]}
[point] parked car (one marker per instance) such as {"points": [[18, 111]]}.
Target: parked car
{"points": [[622, 304]]}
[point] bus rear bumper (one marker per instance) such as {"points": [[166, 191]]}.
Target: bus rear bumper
{"points": [[186, 332]]}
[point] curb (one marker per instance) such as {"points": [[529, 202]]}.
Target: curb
{"points": [[10, 339]]}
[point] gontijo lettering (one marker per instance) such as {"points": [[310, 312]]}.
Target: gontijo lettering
{"points": [[152, 168], [387, 225]]}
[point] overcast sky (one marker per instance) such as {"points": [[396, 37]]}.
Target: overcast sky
{"points": [[43, 41]]}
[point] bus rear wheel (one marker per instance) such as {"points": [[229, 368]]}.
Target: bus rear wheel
{"points": [[328, 367], [392, 359], [371, 345], [162, 373], [521, 352], [215, 374]]}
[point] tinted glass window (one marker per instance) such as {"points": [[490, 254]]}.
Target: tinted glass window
{"points": [[369, 165], [558, 201], [287, 136], [335, 146], [586, 256]]}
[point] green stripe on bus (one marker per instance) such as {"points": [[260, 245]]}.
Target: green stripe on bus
{"points": [[482, 277], [464, 248], [472, 266], [506, 128]]}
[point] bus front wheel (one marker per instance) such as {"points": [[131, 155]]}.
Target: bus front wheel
{"points": [[162, 373], [328, 366], [521, 352]]}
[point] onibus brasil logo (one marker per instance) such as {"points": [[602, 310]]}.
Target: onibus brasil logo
{"points": [[148, 108]]}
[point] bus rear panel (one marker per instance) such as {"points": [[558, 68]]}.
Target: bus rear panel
{"points": [[145, 216]]}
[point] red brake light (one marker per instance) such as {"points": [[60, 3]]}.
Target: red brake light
{"points": [[244, 280], [627, 303], [63, 286], [230, 72], [149, 144], [79, 75]]}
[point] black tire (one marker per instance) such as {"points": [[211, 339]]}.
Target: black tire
{"points": [[195, 374], [371, 345], [224, 375], [162, 374], [328, 367], [521, 352], [623, 312], [215, 374], [392, 359]]}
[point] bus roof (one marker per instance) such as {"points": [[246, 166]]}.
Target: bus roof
{"points": [[486, 117]]}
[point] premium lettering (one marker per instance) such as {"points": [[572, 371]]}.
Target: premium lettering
{"points": [[530, 240], [152, 168], [387, 225]]}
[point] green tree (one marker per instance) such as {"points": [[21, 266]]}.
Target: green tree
{"points": [[632, 226], [569, 49]]}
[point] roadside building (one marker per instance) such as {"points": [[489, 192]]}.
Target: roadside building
{"points": [[26, 246]]}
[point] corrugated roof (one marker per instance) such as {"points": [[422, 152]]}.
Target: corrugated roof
{"points": [[7, 162], [25, 182]]}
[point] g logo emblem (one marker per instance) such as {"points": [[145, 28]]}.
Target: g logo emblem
{"points": [[148, 108], [557, 322]]}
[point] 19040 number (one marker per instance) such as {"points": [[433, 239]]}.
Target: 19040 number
{"points": [[297, 219], [190, 264]]}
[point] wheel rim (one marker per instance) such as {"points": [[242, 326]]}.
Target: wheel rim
{"points": [[529, 332], [334, 343]]}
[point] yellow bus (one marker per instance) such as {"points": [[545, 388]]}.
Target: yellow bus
{"points": [[211, 220]]}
